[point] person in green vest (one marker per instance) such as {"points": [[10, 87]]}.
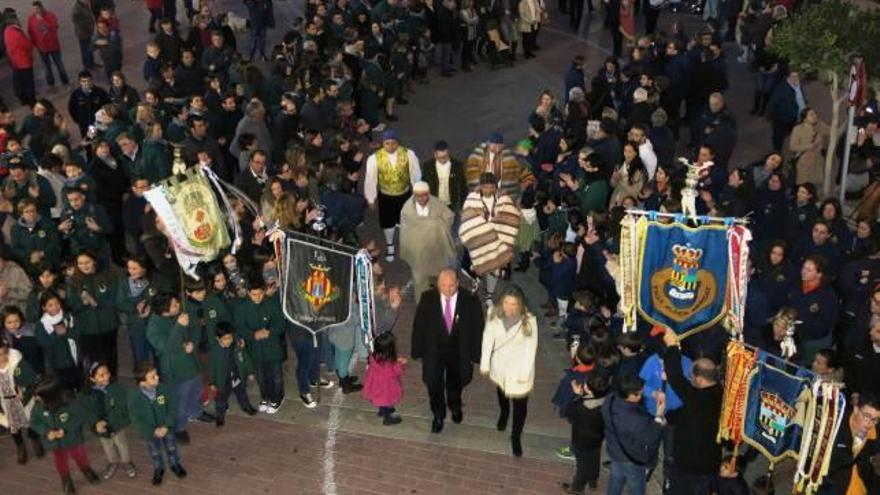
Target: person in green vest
{"points": [[106, 407], [152, 409], [175, 341], [58, 419], [229, 370], [205, 311], [34, 238], [60, 341], [91, 296], [260, 321], [17, 380], [133, 295]]}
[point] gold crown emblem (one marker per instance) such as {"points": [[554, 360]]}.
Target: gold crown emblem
{"points": [[687, 257]]}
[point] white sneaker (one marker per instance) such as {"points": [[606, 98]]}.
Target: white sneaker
{"points": [[308, 401], [264, 406], [273, 408]]}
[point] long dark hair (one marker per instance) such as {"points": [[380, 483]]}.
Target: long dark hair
{"points": [[52, 393], [385, 348]]}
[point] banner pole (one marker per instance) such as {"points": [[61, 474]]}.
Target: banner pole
{"points": [[740, 221], [317, 359]]}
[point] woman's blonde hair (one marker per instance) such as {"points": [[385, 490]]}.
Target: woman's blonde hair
{"points": [[284, 211], [515, 292]]}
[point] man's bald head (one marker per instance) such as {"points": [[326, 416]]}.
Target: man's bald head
{"points": [[447, 282], [705, 373]]}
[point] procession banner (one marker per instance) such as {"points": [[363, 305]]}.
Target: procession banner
{"points": [[682, 274], [316, 282], [778, 398], [191, 217]]}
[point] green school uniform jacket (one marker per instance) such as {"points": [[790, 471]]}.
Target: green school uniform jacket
{"points": [[250, 317], [110, 406], [147, 415], [213, 310], [127, 303], [167, 338], [56, 347], [593, 197], [68, 417], [218, 363], [43, 236], [94, 320]]}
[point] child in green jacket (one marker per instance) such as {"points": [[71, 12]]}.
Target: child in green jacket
{"points": [[229, 370], [260, 322], [59, 339], [153, 410], [58, 418], [106, 408]]}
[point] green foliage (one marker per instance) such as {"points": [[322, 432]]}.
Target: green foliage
{"points": [[822, 37]]}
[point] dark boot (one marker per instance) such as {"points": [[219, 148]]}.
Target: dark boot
{"points": [[178, 471], [756, 105], [502, 420], [348, 385], [516, 445], [91, 475], [21, 454], [39, 452], [158, 474], [67, 485]]}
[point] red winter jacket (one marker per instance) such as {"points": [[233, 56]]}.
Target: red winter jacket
{"points": [[19, 49], [43, 31]]}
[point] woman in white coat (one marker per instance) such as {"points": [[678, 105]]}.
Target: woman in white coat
{"points": [[510, 342]]}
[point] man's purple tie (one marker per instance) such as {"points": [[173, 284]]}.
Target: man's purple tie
{"points": [[447, 315]]}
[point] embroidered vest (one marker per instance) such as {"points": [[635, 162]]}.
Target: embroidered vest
{"points": [[394, 177]]}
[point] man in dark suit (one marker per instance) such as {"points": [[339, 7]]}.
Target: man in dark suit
{"points": [[786, 103], [253, 180], [447, 172], [447, 337]]}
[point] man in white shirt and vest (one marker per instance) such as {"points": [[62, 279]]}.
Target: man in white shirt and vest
{"points": [[391, 172]]}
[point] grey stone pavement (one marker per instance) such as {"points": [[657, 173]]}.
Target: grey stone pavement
{"points": [[290, 452]]}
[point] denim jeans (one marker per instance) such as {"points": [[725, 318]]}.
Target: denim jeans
{"points": [[445, 57], [141, 351], [258, 42], [625, 473], [155, 446], [306, 364], [86, 53], [48, 59], [189, 405], [271, 381]]}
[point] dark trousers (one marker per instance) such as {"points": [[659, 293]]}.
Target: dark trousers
{"points": [[651, 17], [23, 85], [587, 464], [306, 364], [781, 130], [467, 53], [221, 402], [271, 381], [54, 57], [71, 378], [86, 54], [155, 17], [445, 51], [100, 348], [446, 390], [683, 482], [170, 10], [258, 42], [616, 39], [18, 437], [520, 410], [529, 41], [575, 14], [386, 411]]}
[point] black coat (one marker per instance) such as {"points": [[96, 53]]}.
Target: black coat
{"points": [[429, 334], [82, 106], [842, 461], [458, 189]]}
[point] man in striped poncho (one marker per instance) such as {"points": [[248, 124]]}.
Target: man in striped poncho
{"points": [[489, 224]]}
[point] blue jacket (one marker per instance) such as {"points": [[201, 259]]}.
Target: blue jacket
{"points": [[816, 309], [631, 434], [652, 372]]}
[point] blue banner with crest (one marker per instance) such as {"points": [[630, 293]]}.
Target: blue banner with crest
{"points": [[683, 275]]}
